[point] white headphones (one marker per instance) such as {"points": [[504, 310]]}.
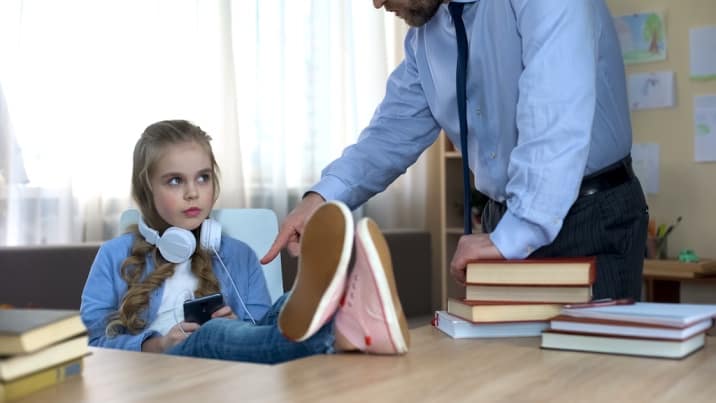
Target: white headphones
{"points": [[178, 244]]}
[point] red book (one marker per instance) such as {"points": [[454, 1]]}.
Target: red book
{"points": [[509, 311], [575, 271]]}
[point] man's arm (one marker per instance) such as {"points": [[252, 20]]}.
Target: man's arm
{"points": [[402, 127], [557, 97]]}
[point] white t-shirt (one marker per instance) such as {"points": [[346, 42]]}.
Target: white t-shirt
{"points": [[177, 289]]}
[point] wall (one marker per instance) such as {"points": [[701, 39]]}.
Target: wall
{"points": [[686, 188]]}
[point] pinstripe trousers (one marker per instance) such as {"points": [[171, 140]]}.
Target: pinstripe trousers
{"points": [[611, 225]]}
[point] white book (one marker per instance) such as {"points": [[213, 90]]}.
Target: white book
{"points": [[665, 314], [616, 328], [458, 328], [622, 345]]}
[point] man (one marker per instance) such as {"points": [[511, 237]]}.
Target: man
{"points": [[549, 134]]}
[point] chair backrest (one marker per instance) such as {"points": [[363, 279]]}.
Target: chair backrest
{"points": [[256, 227]]}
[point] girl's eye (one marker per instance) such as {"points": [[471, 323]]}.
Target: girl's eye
{"points": [[174, 181], [204, 178]]}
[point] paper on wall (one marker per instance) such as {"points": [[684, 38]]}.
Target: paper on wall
{"points": [[642, 37], [651, 90], [702, 46], [705, 128]]}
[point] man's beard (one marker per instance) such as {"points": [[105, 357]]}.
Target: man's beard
{"points": [[421, 12]]}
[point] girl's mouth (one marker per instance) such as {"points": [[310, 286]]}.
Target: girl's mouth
{"points": [[192, 212]]}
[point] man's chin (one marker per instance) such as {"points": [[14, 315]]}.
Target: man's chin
{"points": [[415, 22], [419, 17]]}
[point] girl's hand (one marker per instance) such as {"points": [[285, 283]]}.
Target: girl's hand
{"points": [[224, 312], [177, 334]]}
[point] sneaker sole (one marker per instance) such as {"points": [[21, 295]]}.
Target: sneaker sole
{"points": [[322, 270], [378, 254]]}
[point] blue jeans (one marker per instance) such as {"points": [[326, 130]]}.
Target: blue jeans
{"points": [[236, 340]]}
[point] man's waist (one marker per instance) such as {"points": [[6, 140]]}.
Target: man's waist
{"points": [[608, 177]]}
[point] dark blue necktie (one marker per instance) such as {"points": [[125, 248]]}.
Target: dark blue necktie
{"points": [[460, 79]]}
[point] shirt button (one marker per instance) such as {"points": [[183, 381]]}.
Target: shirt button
{"points": [[493, 155], [530, 250], [478, 111]]}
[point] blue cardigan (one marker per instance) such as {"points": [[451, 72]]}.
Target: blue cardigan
{"points": [[105, 288]]}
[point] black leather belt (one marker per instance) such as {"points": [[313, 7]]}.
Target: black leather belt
{"points": [[608, 177]]}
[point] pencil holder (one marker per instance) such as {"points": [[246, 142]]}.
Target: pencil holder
{"points": [[656, 248]]}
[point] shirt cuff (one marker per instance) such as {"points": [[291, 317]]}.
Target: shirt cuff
{"points": [[330, 188], [516, 238]]}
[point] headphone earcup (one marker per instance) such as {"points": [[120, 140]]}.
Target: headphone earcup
{"points": [[210, 235], [176, 244]]}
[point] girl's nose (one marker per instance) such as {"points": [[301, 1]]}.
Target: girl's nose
{"points": [[190, 192]]}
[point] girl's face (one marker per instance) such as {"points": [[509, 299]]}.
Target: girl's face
{"points": [[182, 186]]}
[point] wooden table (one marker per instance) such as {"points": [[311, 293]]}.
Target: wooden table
{"points": [[437, 369]]}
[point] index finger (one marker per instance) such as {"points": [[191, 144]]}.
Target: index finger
{"points": [[279, 243]]}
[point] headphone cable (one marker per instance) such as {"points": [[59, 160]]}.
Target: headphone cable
{"points": [[233, 284]]}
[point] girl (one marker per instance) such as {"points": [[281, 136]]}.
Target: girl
{"points": [[138, 282]]}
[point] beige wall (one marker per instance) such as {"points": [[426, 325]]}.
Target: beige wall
{"points": [[686, 188]]}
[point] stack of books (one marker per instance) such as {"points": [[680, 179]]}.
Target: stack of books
{"points": [[39, 348], [500, 293], [660, 330]]}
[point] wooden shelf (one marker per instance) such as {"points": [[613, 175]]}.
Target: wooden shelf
{"points": [[448, 198]]}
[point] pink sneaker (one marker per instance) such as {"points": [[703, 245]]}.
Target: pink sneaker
{"points": [[326, 245], [371, 317]]}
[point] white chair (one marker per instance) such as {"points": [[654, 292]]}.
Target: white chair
{"points": [[256, 227]]}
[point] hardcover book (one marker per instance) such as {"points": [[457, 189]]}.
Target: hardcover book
{"points": [[40, 380], [17, 366], [656, 313], [489, 311], [27, 330], [528, 293], [564, 323], [622, 345], [562, 271], [458, 328]]}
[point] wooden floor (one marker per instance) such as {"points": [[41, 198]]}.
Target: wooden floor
{"points": [[418, 321]]}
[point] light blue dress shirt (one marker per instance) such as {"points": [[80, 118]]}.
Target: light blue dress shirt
{"points": [[546, 105]]}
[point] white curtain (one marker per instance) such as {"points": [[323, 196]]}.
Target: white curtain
{"points": [[404, 204], [282, 87]]}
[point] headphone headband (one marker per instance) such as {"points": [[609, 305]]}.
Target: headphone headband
{"points": [[150, 234]]}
